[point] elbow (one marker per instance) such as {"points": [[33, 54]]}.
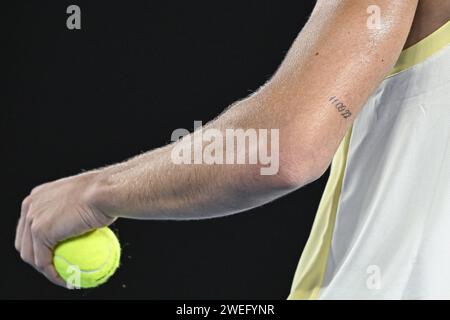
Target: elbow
{"points": [[297, 169]]}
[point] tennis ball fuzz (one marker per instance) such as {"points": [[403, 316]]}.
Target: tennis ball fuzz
{"points": [[88, 260]]}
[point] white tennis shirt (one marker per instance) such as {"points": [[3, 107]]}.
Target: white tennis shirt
{"points": [[382, 230]]}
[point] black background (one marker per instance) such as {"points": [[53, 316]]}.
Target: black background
{"points": [[80, 99]]}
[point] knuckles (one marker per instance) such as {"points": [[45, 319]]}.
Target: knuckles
{"points": [[17, 245], [26, 203], [40, 265], [36, 229], [28, 259], [29, 217], [39, 188]]}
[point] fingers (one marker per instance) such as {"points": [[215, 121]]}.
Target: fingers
{"points": [[19, 232], [36, 253], [32, 248], [26, 247], [43, 257], [51, 213], [21, 224], [50, 273]]}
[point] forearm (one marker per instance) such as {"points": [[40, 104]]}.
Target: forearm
{"points": [[321, 86], [153, 186], [327, 76]]}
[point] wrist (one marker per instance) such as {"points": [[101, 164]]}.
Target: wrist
{"points": [[102, 194]]}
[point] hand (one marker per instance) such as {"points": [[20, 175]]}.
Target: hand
{"points": [[54, 212]]}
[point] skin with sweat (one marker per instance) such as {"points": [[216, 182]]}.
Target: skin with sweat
{"points": [[346, 62]]}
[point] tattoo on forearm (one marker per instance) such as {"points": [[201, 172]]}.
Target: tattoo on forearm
{"points": [[341, 107]]}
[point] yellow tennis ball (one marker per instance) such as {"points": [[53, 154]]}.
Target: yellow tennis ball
{"points": [[88, 260]]}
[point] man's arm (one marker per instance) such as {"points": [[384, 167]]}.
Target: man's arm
{"points": [[328, 74]]}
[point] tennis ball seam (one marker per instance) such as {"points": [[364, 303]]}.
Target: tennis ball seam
{"points": [[115, 265], [87, 270], [89, 277]]}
